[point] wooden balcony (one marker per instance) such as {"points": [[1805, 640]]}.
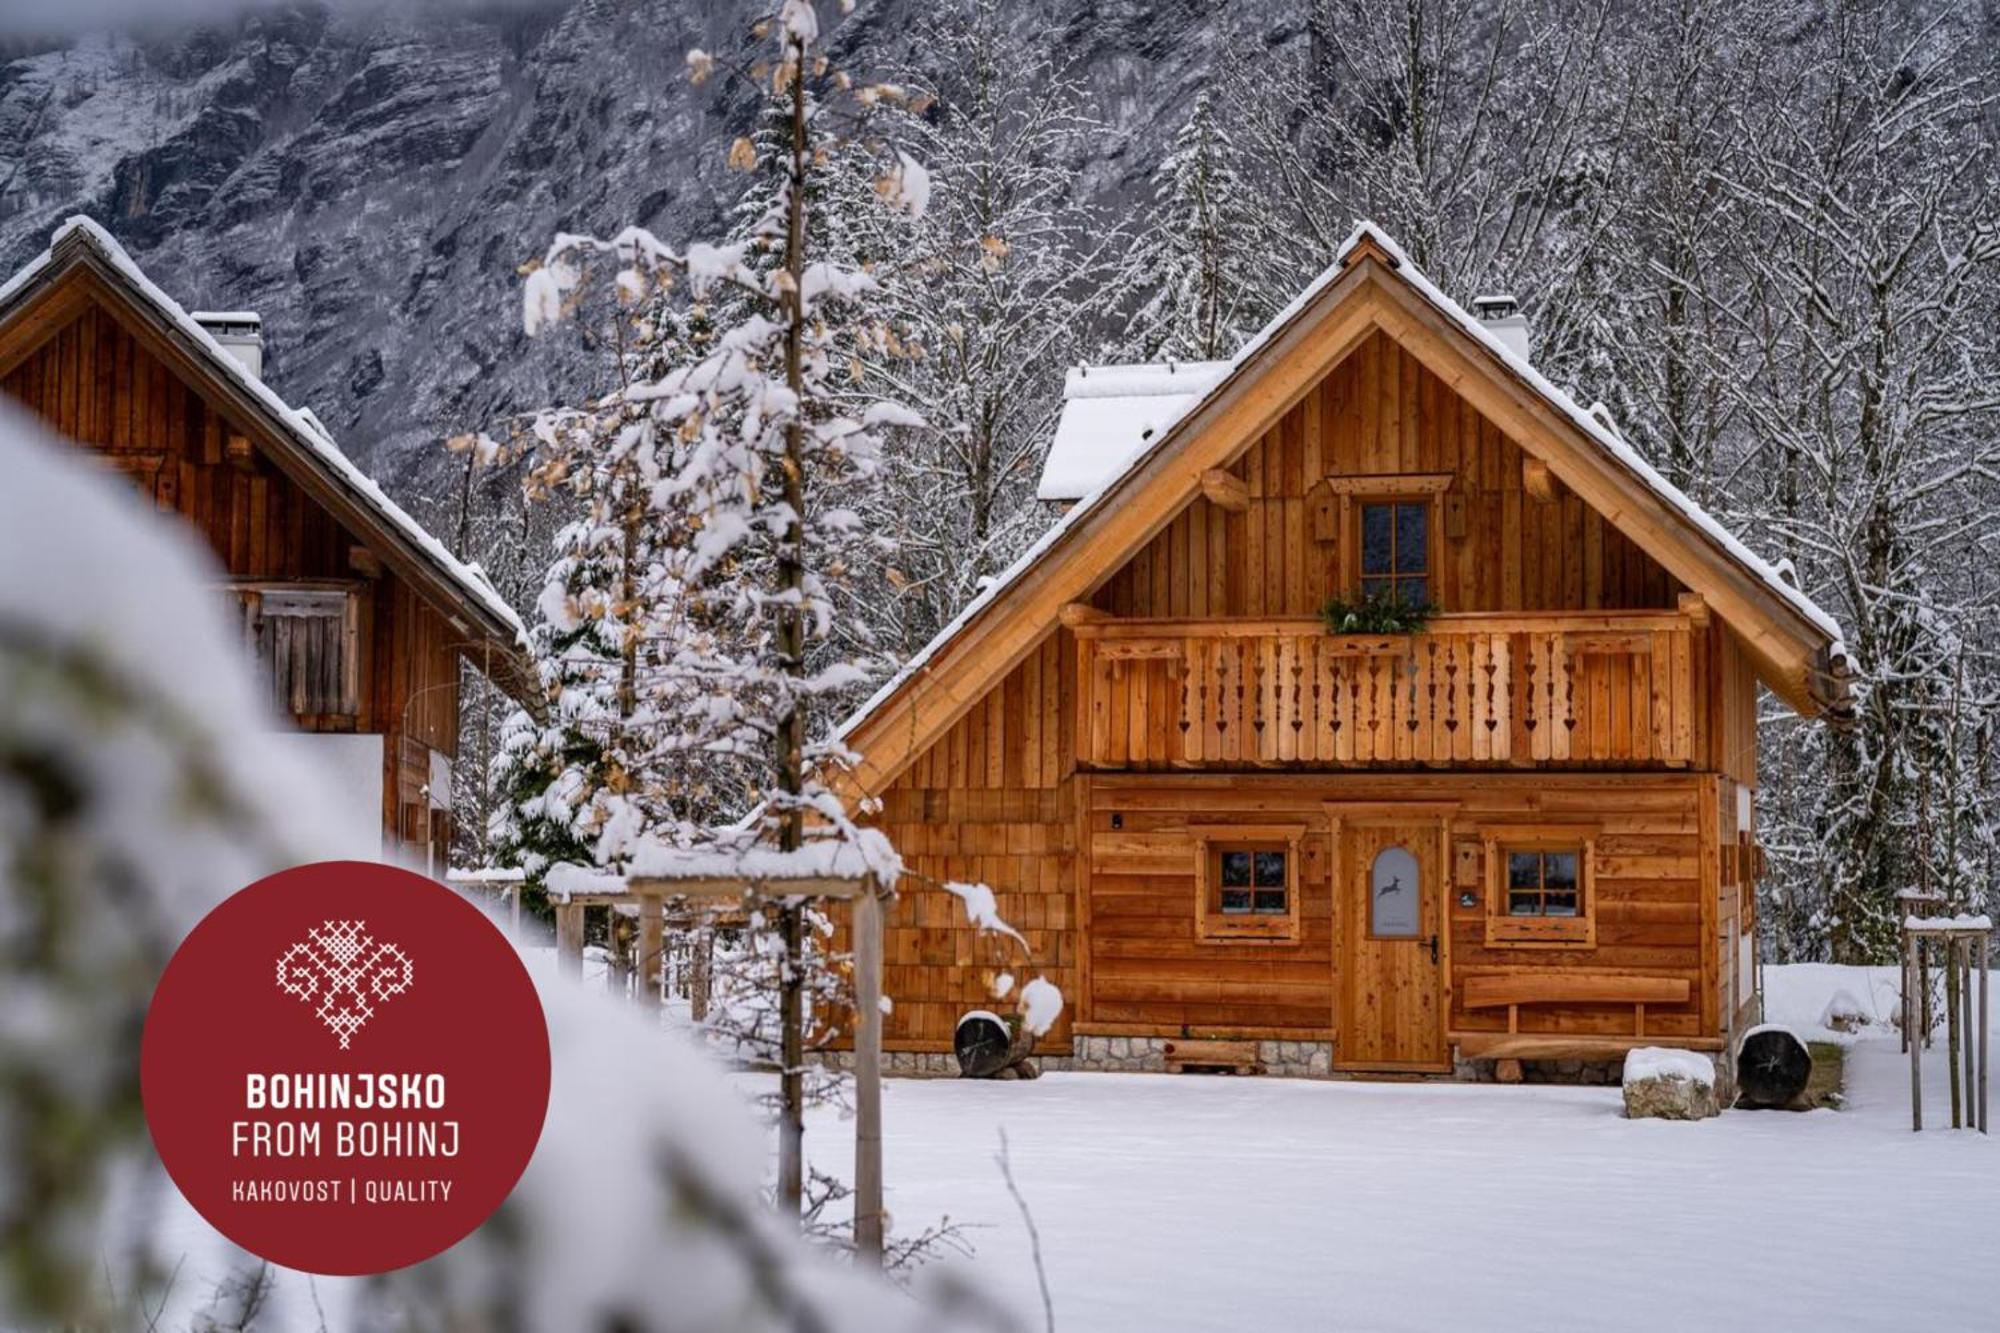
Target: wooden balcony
{"points": [[1596, 688]]}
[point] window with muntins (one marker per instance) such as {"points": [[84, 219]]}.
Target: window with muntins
{"points": [[1540, 888], [1247, 882], [1543, 883], [1395, 551], [1252, 880]]}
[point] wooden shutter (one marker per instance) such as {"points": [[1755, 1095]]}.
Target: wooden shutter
{"points": [[304, 638]]}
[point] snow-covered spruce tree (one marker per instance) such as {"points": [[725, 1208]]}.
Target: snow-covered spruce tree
{"points": [[996, 288], [1873, 249], [610, 767], [762, 437], [1189, 263]]}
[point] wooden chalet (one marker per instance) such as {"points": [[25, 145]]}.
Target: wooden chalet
{"points": [[1527, 832], [359, 618]]}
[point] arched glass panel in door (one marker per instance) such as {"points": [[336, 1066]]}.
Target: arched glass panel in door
{"points": [[1393, 894]]}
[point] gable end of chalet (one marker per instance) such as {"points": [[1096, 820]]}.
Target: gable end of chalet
{"points": [[1204, 453]]}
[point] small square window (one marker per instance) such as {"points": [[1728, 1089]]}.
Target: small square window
{"points": [[1247, 890], [1541, 884], [1542, 897], [1253, 880]]}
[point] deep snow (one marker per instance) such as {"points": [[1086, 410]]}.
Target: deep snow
{"points": [[1169, 1203]]}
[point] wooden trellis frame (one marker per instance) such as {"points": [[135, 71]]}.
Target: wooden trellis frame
{"points": [[1961, 944], [651, 894]]}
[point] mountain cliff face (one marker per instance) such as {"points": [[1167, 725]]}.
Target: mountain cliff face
{"points": [[369, 178]]}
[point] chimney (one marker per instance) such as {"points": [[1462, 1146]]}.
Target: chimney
{"points": [[1501, 314], [241, 333]]}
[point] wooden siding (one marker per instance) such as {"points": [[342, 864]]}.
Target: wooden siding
{"points": [[992, 801], [1381, 412], [96, 382], [1150, 976]]}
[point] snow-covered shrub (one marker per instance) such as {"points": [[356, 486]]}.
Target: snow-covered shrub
{"points": [[139, 785]]}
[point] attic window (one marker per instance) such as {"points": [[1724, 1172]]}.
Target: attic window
{"points": [[1388, 529], [1396, 551]]}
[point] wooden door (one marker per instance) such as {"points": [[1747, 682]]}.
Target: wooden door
{"points": [[1392, 957]]}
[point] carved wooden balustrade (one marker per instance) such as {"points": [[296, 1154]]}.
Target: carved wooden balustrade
{"points": [[1607, 688]]}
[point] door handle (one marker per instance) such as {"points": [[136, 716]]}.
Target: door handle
{"points": [[1433, 942]]}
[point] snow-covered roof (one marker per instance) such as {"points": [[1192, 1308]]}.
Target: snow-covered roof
{"points": [[298, 424], [1111, 411], [1596, 429]]}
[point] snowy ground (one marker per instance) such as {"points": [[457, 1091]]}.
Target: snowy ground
{"points": [[1216, 1203], [1210, 1203]]}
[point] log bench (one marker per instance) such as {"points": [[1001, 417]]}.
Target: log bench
{"points": [[1235, 1057], [1512, 991]]}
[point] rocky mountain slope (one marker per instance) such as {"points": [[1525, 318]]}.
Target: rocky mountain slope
{"points": [[369, 177]]}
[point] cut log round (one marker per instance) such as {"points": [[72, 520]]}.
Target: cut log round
{"points": [[986, 1043], [1772, 1067]]}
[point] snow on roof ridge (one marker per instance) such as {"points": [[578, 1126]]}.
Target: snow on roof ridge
{"points": [[1613, 442], [1364, 229], [1141, 379], [470, 578]]}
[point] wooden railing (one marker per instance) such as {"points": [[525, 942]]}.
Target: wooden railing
{"points": [[1534, 688]]}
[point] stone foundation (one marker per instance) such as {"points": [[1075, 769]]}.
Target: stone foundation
{"points": [[1282, 1059], [1147, 1055]]}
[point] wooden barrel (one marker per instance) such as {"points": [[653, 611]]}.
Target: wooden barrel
{"points": [[986, 1043], [1772, 1067]]}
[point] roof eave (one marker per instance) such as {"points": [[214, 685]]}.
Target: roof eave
{"points": [[513, 671]]}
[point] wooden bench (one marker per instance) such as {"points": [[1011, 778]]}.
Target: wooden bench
{"points": [[1235, 1057], [1510, 991]]}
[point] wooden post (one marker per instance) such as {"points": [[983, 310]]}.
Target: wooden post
{"points": [[1923, 987], [699, 970], [1962, 948], [514, 907], [1952, 1035], [1911, 968], [1909, 1019], [618, 934], [1985, 985], [569, 939], [652, 933], [867, 922]]}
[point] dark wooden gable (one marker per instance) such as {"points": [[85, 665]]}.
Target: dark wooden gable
{"points": [[97, 383]]}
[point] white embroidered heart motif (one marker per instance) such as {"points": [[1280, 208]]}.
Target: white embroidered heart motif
{"points": [[347, 971]]}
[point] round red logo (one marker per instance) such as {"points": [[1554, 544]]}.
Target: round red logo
{"points": [[345, 1068]]}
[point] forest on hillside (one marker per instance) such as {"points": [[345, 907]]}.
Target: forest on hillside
{"points": [[1766, 235]]}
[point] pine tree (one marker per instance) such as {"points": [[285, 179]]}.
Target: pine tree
{"points": [[1191, 262], [744, 451], [608, 768]]}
